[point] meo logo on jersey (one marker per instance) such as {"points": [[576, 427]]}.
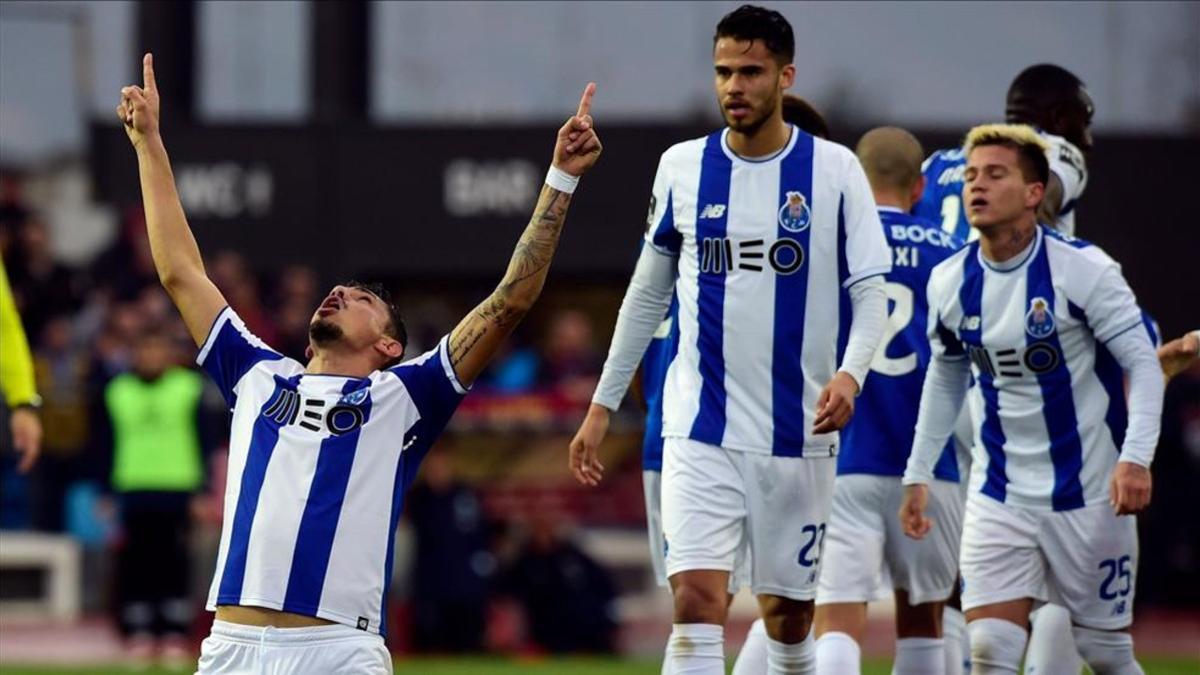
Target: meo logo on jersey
{"points": [[794, 215], [1039, 322], [342, 418]]}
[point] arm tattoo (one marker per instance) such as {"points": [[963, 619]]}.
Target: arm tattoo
{"points": [[523, 281]]}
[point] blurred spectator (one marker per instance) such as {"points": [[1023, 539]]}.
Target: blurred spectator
{"points": [[515, 368], [569, 599], [61, 367], [126, 266], [571, 362], [297, 300], [230, 272], [43, 287], [157, 466], [453, 565]]}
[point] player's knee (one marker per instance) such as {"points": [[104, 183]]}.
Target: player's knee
{"points": [[996, 646], [787, 620], [697, 602], [1106, 652]]}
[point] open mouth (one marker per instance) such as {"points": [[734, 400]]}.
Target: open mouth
{"points": [[737, 110], [977, 204], [330, 306]]}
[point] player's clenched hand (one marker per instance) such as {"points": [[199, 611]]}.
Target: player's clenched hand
{"points": [[1129, 488], [912, 511], [836, 403], [578, 147], [140, 106], [584, 460]]}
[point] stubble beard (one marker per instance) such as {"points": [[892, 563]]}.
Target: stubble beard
{"points": [[323, 332]]}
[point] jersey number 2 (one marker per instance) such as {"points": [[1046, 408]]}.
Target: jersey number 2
{"points": [[900, 305]]}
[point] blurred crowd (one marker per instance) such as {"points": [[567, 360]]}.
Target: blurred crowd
{"points": [[133, 455]]}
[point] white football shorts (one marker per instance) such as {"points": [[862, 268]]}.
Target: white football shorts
{"points": [[234, 649], [722, 507], [865, 541], [652, 486], [1084, 559]]}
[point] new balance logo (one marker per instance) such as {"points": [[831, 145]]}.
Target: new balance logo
{"points": [[712, 211]]}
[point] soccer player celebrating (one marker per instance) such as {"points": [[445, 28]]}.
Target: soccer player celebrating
{"points": [[1055, 102], [321, 453], [864, 535], [758, 227], [1046, 325]]}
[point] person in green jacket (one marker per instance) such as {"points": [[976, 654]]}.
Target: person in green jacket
{"points": [[157, 467], [17, 381]]}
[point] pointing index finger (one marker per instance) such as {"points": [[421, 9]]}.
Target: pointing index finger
{"points": [[148, 72], [585, 103]]}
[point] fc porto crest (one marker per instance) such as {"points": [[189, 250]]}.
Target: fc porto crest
{"points": [[794, 215], [354, 398], [1039, 321]]}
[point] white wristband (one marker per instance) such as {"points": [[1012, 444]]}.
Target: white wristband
{"points": [[561, 180]]}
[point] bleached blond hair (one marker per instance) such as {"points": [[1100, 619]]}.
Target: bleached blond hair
{"points": [[1003, 134], [1031, 148]]}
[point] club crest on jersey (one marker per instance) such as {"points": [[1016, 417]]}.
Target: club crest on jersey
{"points": [[354, 397], [1039, 321], [794, 215]]}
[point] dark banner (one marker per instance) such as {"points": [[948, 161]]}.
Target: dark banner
{"points": [[439, 203]]}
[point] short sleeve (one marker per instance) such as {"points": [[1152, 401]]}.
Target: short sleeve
{"points": [[230, 351], [1067, 162], [866, 248], [433, 387], [1111, 307], [660, 221]]}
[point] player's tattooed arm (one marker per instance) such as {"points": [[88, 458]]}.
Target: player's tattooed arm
{"points": [[174, 249], [479, 335]]}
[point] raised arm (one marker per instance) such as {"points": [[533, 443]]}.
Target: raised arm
{"points": [[176, 255], [479, 335]]}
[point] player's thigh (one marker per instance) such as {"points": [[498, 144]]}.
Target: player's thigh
{"points": [[1092, 554], [1000, 559], [788, 502], [703, 506], [852, 562], [927, 568], [652, 487]]}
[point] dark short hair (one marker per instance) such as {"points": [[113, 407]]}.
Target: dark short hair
{"points": [[1038, 89], [802, 113], [750, 22], [396, 328]]}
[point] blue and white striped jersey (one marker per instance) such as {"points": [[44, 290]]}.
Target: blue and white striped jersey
{"points": [[318, 466], [1049, 404], [764, 248], [942, 200], [655, 362], [880, 435]]}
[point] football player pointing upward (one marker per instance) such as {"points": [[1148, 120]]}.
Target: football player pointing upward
{"points": [[321, 453]]}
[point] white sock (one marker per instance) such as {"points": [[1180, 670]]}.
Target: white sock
{"points": [[752, 660], [996, 646], [920, 656], [1107, 652], [1051, 646], [838, 654], [797, 659], [695, 649], [957, 646]]}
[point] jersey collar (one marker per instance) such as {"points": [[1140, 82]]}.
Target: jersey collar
{"points": [[782, 152]]}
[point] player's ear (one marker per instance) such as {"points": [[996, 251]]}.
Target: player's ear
{"points": [[390, 347], [308, 352], [787, 76], [918, 189], [1034, 193]]}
